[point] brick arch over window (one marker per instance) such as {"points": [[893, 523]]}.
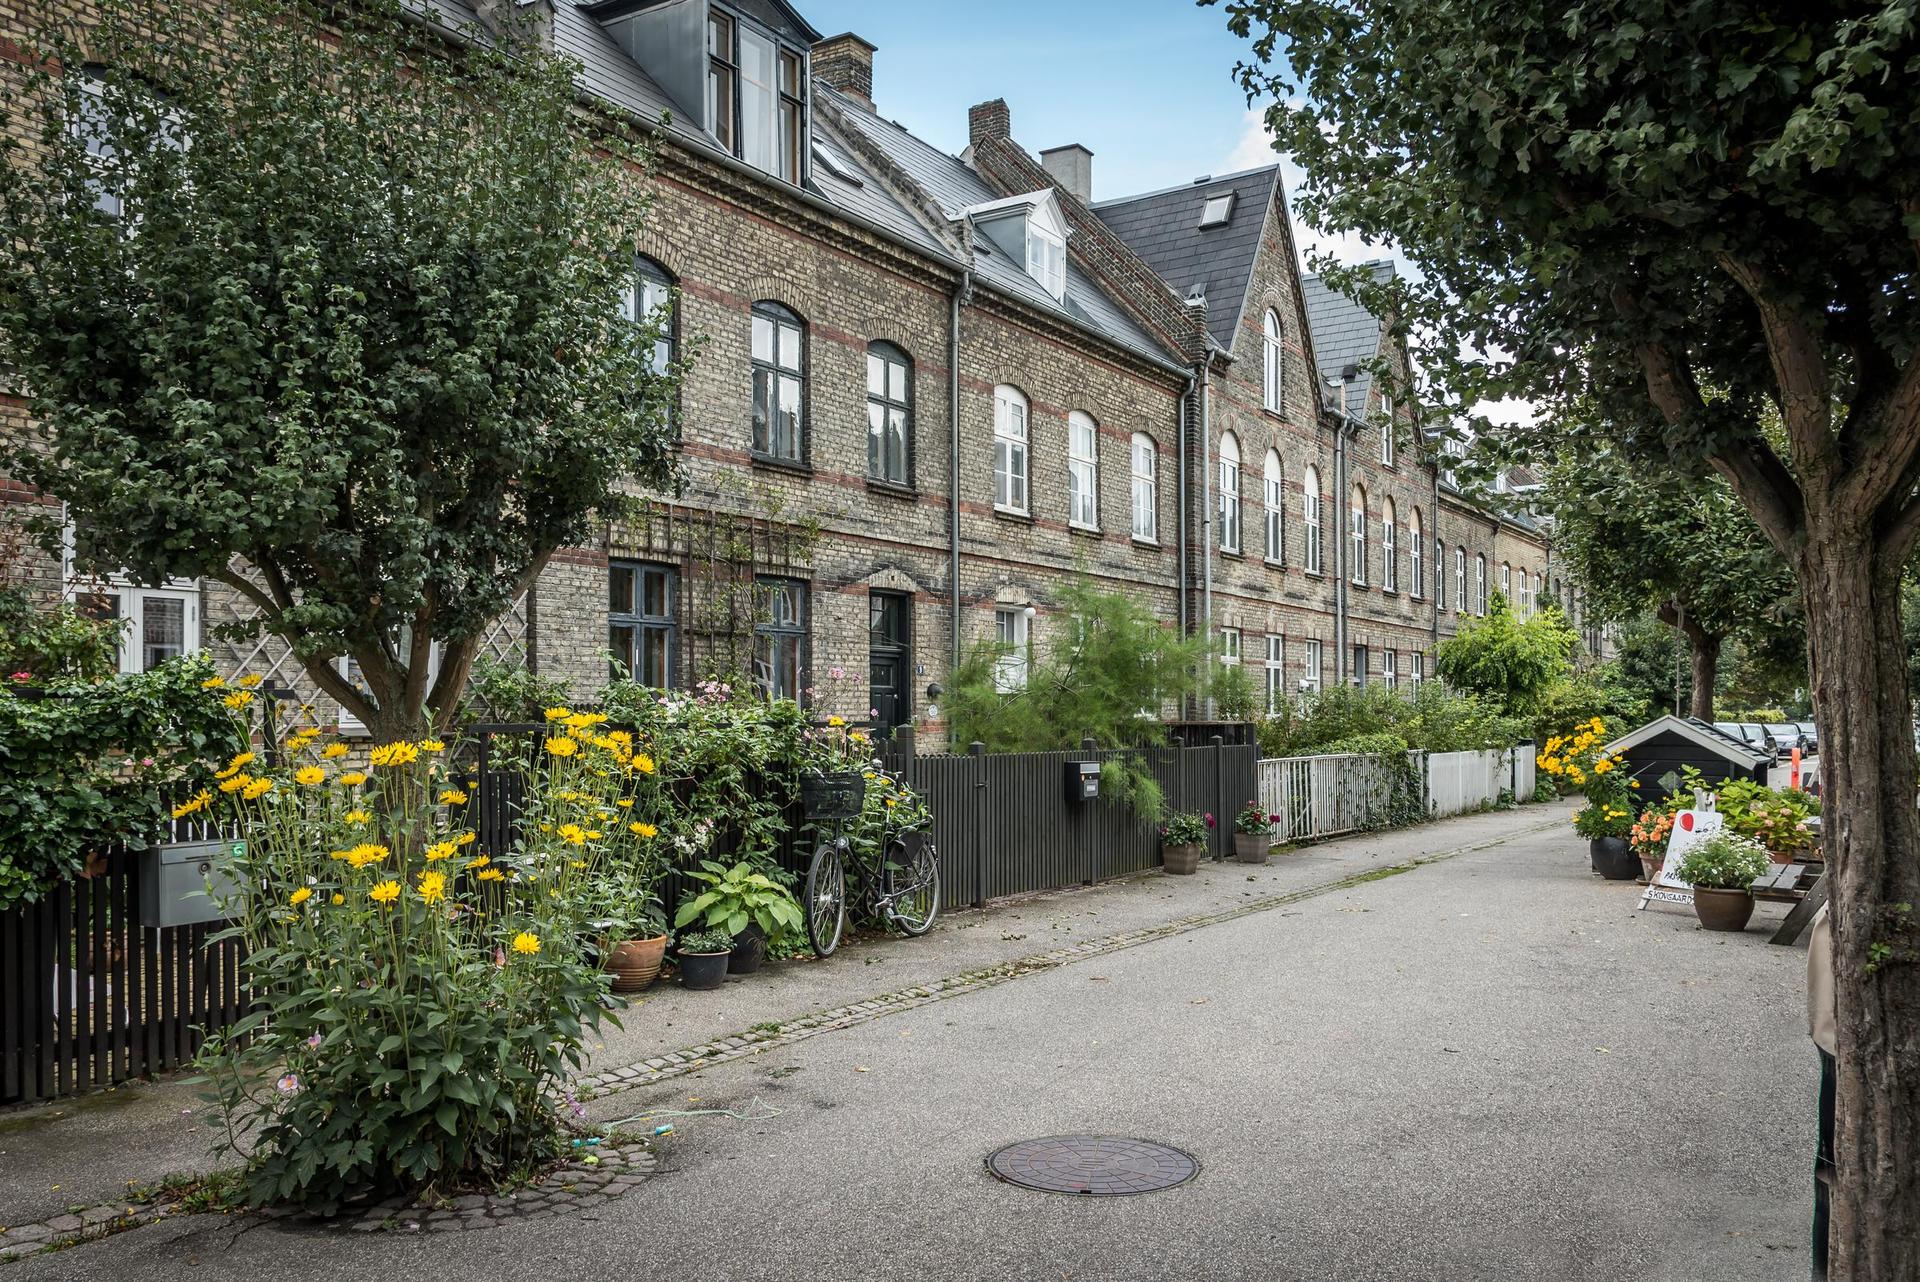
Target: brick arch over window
{"points": [[769, 287]]}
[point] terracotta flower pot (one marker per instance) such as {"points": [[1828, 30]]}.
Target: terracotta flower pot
{"points": [[1650, 866], [1613, 858], [1722, 909], [1183, 860], [1251, 847], [635, 963]]}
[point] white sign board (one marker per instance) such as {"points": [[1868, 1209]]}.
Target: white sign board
{"points": [[1690, 828]]}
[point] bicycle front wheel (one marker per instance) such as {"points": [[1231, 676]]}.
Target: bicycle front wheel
{"points": [[826, 903], [913, 886]]}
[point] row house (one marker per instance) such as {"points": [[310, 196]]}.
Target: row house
{"points": [[932, 388]]}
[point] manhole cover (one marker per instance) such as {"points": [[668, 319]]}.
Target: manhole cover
{"points": [[1097, 1165]]}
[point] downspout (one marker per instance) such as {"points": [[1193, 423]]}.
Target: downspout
{"points": [[1184, 579], [1439, 563], [1342, 532], [960, 290], [1206, 508]]}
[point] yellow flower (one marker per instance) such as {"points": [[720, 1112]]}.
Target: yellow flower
{"points": [[257, 789], [385, 893], [194, 804], [433, 886], [432, 745], [625, 803], [358, 817], [581, 720], [308, 776], [453, 797], [236, 783], [559, 714], [1633, 783], [643, 763], [249, 681], [439, 850], [353, 778], [478, 861], [642, 830], [464, 839], [400, 753], [238, 699], [573, 834], [365, 853], [338, 899], [526, 943], [490, 874], [561, 746], [858, 736], [836, 721], [300, 896], [333, 750], [214, 683], [1601, 766], [233, 767]]}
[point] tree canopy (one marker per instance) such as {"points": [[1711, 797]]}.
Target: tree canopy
{"points": [[318, 302], [1509, 661]]}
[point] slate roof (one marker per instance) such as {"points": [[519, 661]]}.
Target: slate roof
{"points": [[1163, 228], [1344, 333]]}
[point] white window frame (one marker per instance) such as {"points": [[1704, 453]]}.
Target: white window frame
{"points": [[1230, 639], [1416, 672], [1217, 210], [127, 598], [1146, 488], [1272, 361], [1506, 581], [1083, 471], [1311, 666], [1390, 668], [1013, 630], [1012, 433], [1480, 584], [1047, 259], [1416, 558], [1229, 492], [1386, 430], [1357, 523], [1276, 514], [1389, 546], [1461, 601], [1310, 517], [1276, 671]]}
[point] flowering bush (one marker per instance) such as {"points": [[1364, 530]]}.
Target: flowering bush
{"points": [[1776, 818], [1580, 758], [1724, 861], [418, 1005], [1186, 829], [1254, 820], [1650, 834]]}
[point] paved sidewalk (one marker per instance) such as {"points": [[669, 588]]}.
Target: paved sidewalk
{"points": [[88, 1150]]}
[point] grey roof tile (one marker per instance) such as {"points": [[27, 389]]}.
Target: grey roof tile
{"points": [[1344, 333]]}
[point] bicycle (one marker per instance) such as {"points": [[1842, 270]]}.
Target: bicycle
{"points": [[900, 886]]}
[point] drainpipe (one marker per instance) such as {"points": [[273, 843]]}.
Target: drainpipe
{"points": [[1439, 562], [1206, 508], [1184, 579], [1342, 532], [960, 291]]}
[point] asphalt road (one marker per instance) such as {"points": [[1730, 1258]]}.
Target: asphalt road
{"points": [[1485, 1068]]}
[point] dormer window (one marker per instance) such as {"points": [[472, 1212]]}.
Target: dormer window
{"points": [[1046, 259], [1028, 229], [756, 95]]}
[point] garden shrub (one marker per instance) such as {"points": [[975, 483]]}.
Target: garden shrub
{"points": [[55, 642], [1581, 696], [418, 1007], [1508, 660], [85, 765], [1434, 720]]}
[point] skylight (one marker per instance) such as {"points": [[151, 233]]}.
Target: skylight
{"points": [[1217, 210]]}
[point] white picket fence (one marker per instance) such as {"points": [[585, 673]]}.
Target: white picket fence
{"points": [[1348, 792]]}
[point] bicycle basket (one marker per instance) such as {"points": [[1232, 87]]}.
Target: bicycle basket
{"points": [[838, 796]]}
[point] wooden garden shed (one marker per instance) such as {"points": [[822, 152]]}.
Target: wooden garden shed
{"points": [[1662, 746]]}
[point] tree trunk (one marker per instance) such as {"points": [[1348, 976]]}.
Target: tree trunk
{"points": [[1705, 649], [1872, 839]]}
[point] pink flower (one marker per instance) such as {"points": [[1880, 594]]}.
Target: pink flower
{"points": [[288, 1085], [1209, 818], [23, 676], [837, 672], [314, 1041]]}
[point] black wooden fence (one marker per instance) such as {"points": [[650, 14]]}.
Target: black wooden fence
{"points": [[90, 997]]}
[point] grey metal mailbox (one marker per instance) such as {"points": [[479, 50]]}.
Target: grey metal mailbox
{"points": [[1083, 780], [183, 884]]}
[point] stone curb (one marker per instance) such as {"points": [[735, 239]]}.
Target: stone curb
{"points": [[755, 1041]]}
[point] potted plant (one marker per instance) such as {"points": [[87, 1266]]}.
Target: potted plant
{"points": [[1581, 759], [1253, 833], [1606, 826], [1721, 870], [744, 902], [1649, 841], [703, 958], [634, 960], [1183, 841]]}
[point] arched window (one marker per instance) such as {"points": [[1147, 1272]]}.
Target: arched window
{"points": [[1310, 517], [1229, 492], [650, 299], [1009, 449], [1083, 471], [1479, 585], [1276, 495], [889, 412], [1461, 602], [779, 383], [1389, 546], [1439, 574], [1270, 359], [1416, 560], [1357, 517], [1506, 582], [1146, 487]]}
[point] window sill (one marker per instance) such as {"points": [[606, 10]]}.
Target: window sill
{"points": [[892, 489], [1088, 531], [1009, 514], [1272, 564], [776, 464], [1141, 540], [1315, 574], [1234, 554]]}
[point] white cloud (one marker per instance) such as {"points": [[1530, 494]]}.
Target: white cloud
{"points": [[1253, 148]]}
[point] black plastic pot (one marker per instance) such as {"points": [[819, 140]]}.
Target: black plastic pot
{"points": [[1613, 858], [703, 971], [749, 950]]}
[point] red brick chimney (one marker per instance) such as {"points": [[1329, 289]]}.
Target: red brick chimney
{"points": [[845, 62], [989, 120]]}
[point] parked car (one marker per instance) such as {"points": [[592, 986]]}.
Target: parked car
{"points": [[1782, 737], [1732, 730], [1809, 735], [1755, 734]]}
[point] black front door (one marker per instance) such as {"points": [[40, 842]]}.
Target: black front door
{"points": [[889, 654]]}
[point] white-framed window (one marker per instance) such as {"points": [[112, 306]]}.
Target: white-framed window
{"points": [[1146, 487], [1506, 581], [1270, 356], [1386, 430], [1357, 669], [1389, 547], [1529, 594], [1276, 671], [1480, 585], [1011, 632], [157, 623], [1416, 558], [1083, 471], [889, 413], [1046, 258], [1439, 574], [779, 383], [1276, 496], [1229, 492], [1390, 668], [1310, 668], [1460, 598], [1230, 647], [1009, 449], [1357, 517], [1416, 672], [1310, 516]]}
